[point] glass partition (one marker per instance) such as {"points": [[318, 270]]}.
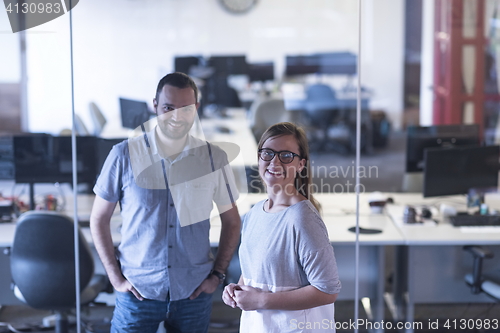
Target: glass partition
{"points": [[274, 61]]}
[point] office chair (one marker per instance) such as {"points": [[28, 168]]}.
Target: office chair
{"points": [[80, 127], [488, 283], [98, 118], [320, 108], [266, 112], [320, 103], [43, 265]]}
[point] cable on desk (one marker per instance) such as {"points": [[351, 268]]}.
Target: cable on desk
{"points": [[10, 327]]}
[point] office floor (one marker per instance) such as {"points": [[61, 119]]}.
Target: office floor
{"points": [[387, 167], [225, 319]]}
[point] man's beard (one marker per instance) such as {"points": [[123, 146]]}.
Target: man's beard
{"points": [[174, 134]]}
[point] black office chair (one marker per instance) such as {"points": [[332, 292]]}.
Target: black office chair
{"points": [[43, 265], [488, 283]]}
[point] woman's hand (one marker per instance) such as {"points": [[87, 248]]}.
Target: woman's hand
{"points": [[228, 294], [249, 298]]}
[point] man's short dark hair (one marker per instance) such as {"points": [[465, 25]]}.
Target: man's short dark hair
{"points": [[178, 80]]}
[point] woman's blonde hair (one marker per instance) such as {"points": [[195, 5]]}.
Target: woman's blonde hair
{"points": [[303, 178]]}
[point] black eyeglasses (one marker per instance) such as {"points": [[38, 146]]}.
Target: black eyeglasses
{"points": [[285, 156]]}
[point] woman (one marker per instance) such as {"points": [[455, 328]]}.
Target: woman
{"points": [[289, 274]]}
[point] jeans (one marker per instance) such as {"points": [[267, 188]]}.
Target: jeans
{"points": [[183, 316]]}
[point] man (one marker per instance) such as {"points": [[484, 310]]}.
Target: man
{"points": [[166, 181]]}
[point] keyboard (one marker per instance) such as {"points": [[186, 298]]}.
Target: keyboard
{"points": [[480, 229], [475, 220]]}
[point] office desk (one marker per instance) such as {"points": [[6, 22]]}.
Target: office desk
{"points": [[338, 216], [244, 165], [237, 123], [442, 233], [430, 268]]}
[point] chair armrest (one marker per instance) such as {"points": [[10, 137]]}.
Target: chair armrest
{"points": [[478, 251], [479, 254]]}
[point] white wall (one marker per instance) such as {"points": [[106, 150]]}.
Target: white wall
{"points": [[49, 76], [123, 47], [383, 55], [9, 52]]}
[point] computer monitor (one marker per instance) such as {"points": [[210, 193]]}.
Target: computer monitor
{"points": [[301, 65], [263, 71], [450, 171], [229, 65], [6, 158], [133, 113], [339, 63], [422, 137], [103, 147], [184, 64], [43, 158]]}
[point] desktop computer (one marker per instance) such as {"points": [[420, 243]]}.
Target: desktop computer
{"points": [[334, 63], [43, 158], [262, 71], [420, 138], [449, 171], [463, 170], [133, 113], [186, 63], [6, 158]]}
